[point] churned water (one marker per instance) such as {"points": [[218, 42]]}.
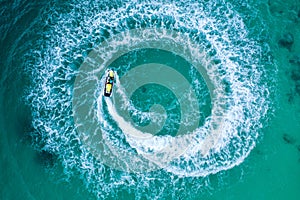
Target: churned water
{"points": [[205, 102]]}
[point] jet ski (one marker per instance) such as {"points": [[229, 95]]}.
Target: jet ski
{"points": [[109, 82]]}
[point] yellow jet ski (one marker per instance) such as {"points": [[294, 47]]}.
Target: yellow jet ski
{"points": [[109, 82]]}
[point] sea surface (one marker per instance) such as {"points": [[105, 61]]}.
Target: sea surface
{"points": [[205, 101]]}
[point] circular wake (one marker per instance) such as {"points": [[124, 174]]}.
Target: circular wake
{"points": [[189, 100]]}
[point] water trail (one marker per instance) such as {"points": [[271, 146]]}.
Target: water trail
{"points": [[220, 69]]}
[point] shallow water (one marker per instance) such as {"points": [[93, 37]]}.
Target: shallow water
{"points": [[205, 103]]}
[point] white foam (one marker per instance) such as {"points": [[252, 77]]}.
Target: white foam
{"points": [[235, 115]]}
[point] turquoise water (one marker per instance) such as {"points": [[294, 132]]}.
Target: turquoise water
{"points": [[205, 104]]}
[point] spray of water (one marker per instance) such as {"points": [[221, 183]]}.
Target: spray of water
{"points": [[117, 143]]}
